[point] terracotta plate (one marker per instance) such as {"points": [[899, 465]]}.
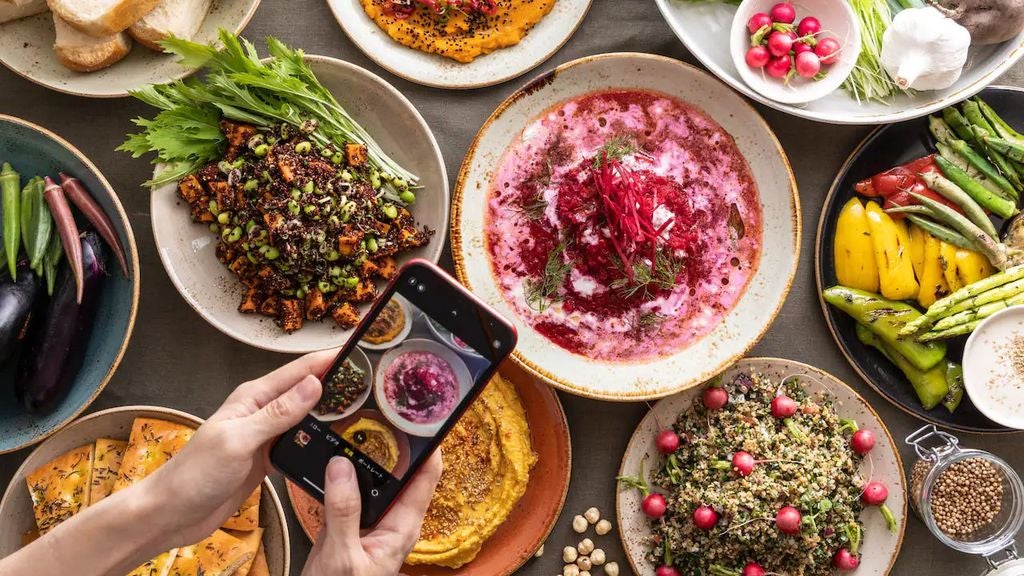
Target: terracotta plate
{"points": [[880, 547], [535, 514]]}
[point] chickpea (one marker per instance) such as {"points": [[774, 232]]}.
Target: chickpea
{"points": [[584, 563], [586, 546], [603, 527], [612, 569], [584, 573], [580, 524], [597, 557], [592, 515], [539, 552], [569, 554], [571, 570]]}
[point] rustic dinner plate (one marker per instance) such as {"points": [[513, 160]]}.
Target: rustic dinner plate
{"points": [[885, 147], [741, 327], [532, 518], [880, 546], [704, 28], [34, 150], [539, 44], [26, 47], [16, 516], [187, 249]]}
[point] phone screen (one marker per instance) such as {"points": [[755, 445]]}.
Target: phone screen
{"points": [[411, 368]]}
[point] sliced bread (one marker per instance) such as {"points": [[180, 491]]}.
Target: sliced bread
{"points": [[15, 9], [101, 18], [180, 18], [84, 53]]}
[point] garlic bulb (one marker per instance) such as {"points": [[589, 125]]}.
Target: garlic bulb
{"points": [[924, 50]]}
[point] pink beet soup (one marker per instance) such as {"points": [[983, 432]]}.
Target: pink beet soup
{"points": [[421, 387], [623, 225]]}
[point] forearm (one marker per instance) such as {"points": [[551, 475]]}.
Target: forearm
{"points": [[112, 537]]}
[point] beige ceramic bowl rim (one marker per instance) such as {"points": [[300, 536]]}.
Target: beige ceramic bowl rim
{"points": [[133, 256], [635, 439], [238, 30], [455, 233], [377, 59], [209, 316], [268, 486]]}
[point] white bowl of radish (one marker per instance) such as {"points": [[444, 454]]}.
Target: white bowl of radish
{"points": [[794, 52]]}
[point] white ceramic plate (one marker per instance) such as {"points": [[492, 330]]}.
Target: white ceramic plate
{"points": [[539, 44], [704, 28], [879, 547], [16, 507], [187, 250], [458, 366], [748, 320], [26, 47], [404, 305], [361, 361]]}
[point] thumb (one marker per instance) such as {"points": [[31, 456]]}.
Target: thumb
{"points": [[342, 506], [286, 410]]}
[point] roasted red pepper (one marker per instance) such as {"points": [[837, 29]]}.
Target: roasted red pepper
{"points": [[897, 183]]}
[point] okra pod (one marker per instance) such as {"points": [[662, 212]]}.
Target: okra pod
{"points": [[1013, 150], [947, 235], [941, 130], [51, 262], [909, 209], [996, 204], [982, 240], [958, 196], [998, 157], [69, 236], [960, 162], [36, 223], [998, 124], [78, 195], [985, 167], [10, 189], [958, 123]]}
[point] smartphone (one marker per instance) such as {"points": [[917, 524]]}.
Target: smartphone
{"points": [[413, 365]]}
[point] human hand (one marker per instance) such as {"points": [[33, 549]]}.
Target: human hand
{"points": [[229, 454], [341, 550]]}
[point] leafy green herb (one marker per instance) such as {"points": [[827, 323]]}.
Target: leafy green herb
{"points": [[535, 209], [615, 149], [238, 86], [648, 278], [543, 292]]}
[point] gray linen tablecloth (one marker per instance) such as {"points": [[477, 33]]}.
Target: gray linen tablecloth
{"points": [[176, 359]]}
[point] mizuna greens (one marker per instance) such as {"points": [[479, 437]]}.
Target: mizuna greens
{"points": [[238, 86]]}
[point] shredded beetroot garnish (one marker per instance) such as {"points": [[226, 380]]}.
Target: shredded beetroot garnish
{"points": [[628, 211]]}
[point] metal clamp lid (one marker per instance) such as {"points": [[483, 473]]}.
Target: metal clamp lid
{"points": [[944, 442], [1009, 554]]}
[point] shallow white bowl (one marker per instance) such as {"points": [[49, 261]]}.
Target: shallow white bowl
{"points": [[16, 507], [879, 547], [989, 375], [837, 20], [741, 328], [703, 27], [404, 305], [539, 44], [361, 361], [26, 47], [187, 250]]}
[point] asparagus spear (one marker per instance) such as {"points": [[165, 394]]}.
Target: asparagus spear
{"points": [[941, 307], [958, 196], [995, 252], [994, 295], [960, 330], [981, 312]]}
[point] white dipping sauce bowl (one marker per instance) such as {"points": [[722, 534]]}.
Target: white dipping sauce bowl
{"points": [[991, 381]]}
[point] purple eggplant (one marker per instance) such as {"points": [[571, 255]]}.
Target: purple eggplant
{"points": [[58, 340], [17, 302]]}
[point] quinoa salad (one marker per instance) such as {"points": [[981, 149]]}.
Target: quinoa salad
{"points": [[759, 477]]}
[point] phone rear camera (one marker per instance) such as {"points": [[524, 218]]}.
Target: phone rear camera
{"points": [[412, 281], [496, 344], [421, 288]]}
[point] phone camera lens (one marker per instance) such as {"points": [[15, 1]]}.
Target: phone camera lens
{"points": [[412, 281], [421, 288], [455, 313], [496, 344]]}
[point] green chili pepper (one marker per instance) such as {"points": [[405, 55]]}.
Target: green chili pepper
{"points": [[36, 222], [10, 188]]}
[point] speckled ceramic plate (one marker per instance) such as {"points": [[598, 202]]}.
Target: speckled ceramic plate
{"points": [[16, 507], [187, 250], [880, 546], [704, 28], [533, 517], [26, 47], [740, 329], [539, 44], [33, 150]]}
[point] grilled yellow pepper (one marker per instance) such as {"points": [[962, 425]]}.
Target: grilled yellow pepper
{"points": [[853, 249], [933, 281], [917, 243], [972, 266], [891, 242], [947, 257]]}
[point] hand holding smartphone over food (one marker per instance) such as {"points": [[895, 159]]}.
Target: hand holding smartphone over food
{"points": [[417, 360]]}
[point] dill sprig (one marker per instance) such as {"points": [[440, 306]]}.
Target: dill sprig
{"points": [[644, 321], [541, 293], [615, 149], [648, 277]]}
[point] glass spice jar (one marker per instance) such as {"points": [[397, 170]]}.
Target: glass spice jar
{"points": [[971, 500]]}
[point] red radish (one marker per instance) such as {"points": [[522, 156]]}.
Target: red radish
{"points": [[753, 569], [758, 21], [787, 520], [743, 463], [758, 56], [705, 517], [843, 560], [715, 397], [783, 12], [778, 67], [667, 571], [862, 441], [783, 406], [874, 494], [807, 64], [654, 506], [667, 441], [799, 47], [808, 25], [828, 50], [779, 43]]}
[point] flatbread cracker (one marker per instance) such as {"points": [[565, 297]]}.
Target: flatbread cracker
{"points": [[252, 540], [248, 515], [158, 566], [105, 464], [152, 443], [186, 563], [60, 488], [222, 554], [259, 565]]}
